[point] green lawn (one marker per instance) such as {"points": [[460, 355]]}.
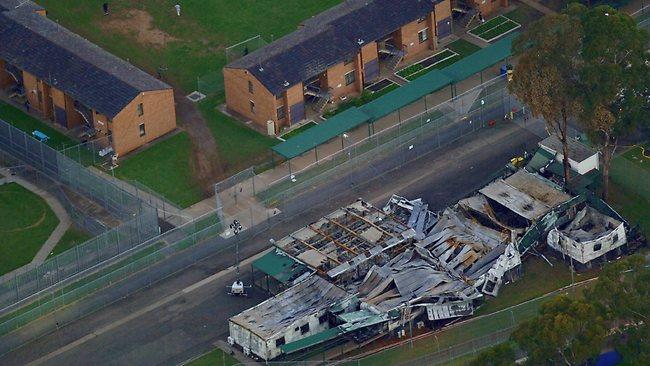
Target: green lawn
{"points": [[19, 119], [215, 358], [416, 70], [538, 279], [239, 146], [164, 168], [629, 188], [494, 27], [72, 237], [462, 48], [26, 221], [365, 97], [299, 130]]}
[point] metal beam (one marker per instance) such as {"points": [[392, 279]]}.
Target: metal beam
{"points": [[350, 231], [314, 248], [330, 238], [367, 222]]}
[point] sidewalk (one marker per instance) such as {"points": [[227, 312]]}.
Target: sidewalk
{"points": [[55, 236]]}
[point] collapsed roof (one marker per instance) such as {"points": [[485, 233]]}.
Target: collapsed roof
{"points": [[526, 194], [588, 225], [281, 311], [346, 238], [413, 277]]}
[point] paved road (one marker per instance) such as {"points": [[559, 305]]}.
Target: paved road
{"points": [[178, 323]]}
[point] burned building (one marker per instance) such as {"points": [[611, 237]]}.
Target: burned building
{"points": [[361, 272], [586, 235]]}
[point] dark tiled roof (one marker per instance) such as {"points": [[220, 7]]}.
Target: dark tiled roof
{"points": [[328, 39], [70, 63]]}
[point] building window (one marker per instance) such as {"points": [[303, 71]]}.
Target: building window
{"points": [[348, 60], [142, 131], [140, 110], [281, 112], [597, 247], [251, 104], [304, 329], [250, 86], [423, 35], [350, 77], [279, 342], [322, 319]]}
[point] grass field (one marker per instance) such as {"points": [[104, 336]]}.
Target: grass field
{"points": [[72, 237], [215, 358], [629, 188], [494, 28], [19, 119], [299, 130], [524, 14], [26, 221], [163, 167]]}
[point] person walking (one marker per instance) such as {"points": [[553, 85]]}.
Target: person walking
{"points": [[178, 9], [105, 8]]}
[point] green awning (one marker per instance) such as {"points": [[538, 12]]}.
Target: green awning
{"points": [[280, 266], [540, 160], [312, 340], [396, 99], [481, 59], [325, 131], [407, 94]]}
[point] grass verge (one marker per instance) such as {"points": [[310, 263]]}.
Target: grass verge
{"points": [[299, 130], [27, 124], [217, 357], [72, 237], [164, 168], [26, 222]]}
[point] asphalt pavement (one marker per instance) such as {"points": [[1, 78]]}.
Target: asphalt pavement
{"points": [[184, 314]]}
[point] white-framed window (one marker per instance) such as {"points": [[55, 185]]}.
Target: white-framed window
{"points": [[423, 35], [281, 112], [251, 105], [350, 77], [142, 130]]}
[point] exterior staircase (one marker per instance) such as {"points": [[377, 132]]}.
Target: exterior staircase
{"points": [[322, 97], [396, 56]]}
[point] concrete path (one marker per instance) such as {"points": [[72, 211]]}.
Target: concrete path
{"points": [[57, 234], [536, 5]]}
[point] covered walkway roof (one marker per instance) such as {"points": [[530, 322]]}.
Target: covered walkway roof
{"points": [[413, 91]]}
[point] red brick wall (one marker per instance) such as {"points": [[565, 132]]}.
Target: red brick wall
{"points": [[6, 80], [238, 97], [159, 118]]}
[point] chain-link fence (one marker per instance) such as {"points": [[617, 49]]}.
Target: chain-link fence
{"points": [[252, 198], [243, 48], [70, 181]]}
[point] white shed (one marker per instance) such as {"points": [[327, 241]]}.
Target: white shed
{"points": [[582, 158]]}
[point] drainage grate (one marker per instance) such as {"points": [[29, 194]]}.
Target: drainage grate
{"points": [[196, 96]]}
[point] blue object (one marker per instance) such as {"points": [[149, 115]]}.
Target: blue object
{"points": [[40, 136], [504, 70], [610, 358]]}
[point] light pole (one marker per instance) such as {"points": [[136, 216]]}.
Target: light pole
{"points": [[236, 229]]}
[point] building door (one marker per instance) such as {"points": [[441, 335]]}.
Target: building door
{"points": [[297, 112], [444, 28], [60, 116], [371, 70]]}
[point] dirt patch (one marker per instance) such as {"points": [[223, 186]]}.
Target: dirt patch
{"points": [[204, 162], [140, 24]]}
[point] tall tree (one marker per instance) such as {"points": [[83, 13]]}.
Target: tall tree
{"points": [[615, 79], [547, 73], [566, 331]]}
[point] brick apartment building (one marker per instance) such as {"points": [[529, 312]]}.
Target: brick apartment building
{"points": [[76, 84], [330, 56]]}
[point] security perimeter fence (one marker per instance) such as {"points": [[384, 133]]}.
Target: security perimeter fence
{"points": [[404, 140], [56, 173]]}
